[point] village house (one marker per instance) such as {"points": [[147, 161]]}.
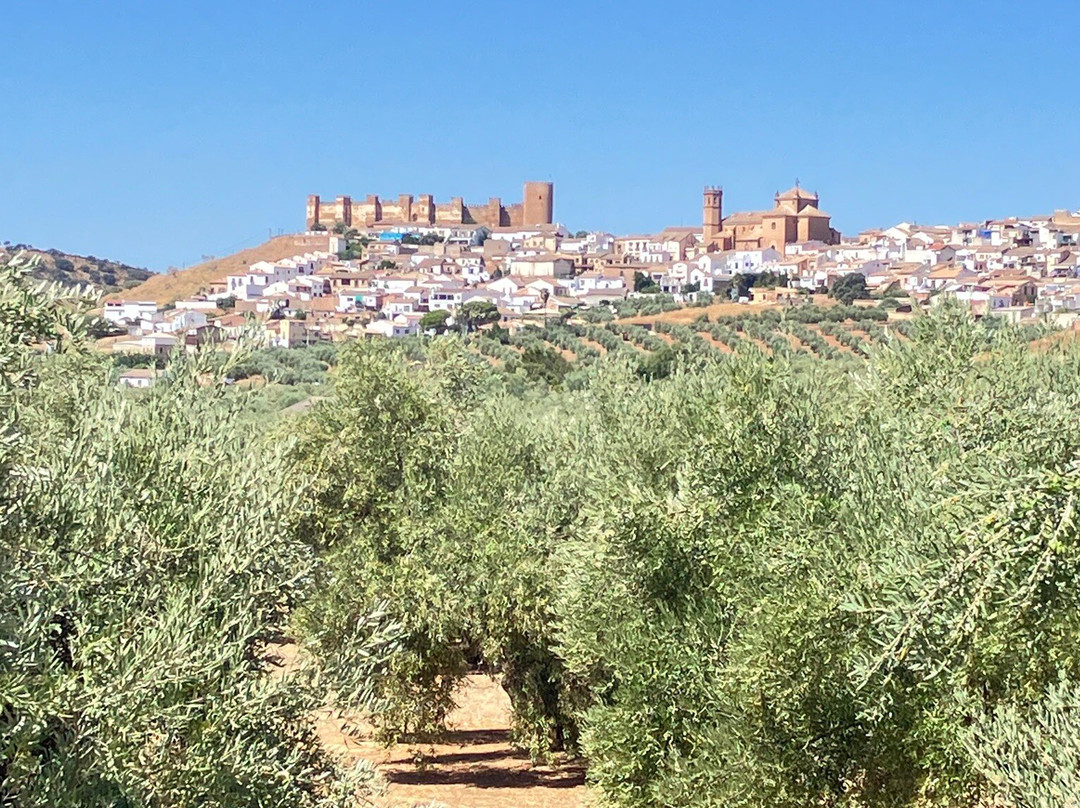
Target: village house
{"points": [[175, 321], [149, 344], [400, 325], [288, 333], [547, 265], [450, 298], [129, 312], [139, 378], [949, 274]]}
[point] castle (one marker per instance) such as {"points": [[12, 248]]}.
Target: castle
{"points": [[795, 217], [536, 208]]}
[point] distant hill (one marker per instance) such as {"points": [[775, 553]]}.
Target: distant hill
{"points": [[74, 270], [181, 283]]}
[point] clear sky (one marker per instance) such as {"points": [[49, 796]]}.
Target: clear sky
{"points": [[156, 132]]}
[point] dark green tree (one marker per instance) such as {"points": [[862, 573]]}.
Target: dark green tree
{"points": [[643, 283], [849, 288], [476, 313], [434, 321]]}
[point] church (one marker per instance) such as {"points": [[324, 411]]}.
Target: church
{"points": [[795, 218]]}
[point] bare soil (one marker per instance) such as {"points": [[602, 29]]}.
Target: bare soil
{"points": [[832, 341], [474, 766], [723, 346]]}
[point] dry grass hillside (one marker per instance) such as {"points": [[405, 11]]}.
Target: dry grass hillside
{"points": [[166, 288]]}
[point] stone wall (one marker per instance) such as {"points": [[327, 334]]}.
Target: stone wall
{"points": [[537, 208]]}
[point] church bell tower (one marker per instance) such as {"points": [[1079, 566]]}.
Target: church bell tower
{"points": [[712, 214]]}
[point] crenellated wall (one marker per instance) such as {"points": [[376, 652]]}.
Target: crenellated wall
{"points": [[536, 208]]}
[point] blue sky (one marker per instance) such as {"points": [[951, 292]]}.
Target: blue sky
{"points": [[155, 133]]}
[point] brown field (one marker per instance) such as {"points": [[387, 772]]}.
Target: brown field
{"points": [[167, 288], [685, 316], [1061, 339]]}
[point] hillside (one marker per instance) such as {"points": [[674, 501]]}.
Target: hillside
{"points": [[181, 283], [70, 269]]}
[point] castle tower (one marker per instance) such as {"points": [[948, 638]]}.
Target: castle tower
{"points": [[313, 205], [712, 214], [539, 203], [425, 208], [344, 210]]}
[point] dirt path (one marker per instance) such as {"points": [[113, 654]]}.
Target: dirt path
{"points": [[475, 767]]}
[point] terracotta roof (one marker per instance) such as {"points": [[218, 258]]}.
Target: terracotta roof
{"points": [[947, 271], [798, 193], [745, 217]]}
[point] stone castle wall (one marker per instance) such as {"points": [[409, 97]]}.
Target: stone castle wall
{"points": [[536, 208]]}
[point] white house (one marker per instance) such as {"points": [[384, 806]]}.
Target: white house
{"points": [[401, 325], [547, 265], [744, 261], [595, 282], [177, 321], [124, 312], [450, 298], [156, 344], [138, 377], [197, 304], [503, 286], [252, 284]]}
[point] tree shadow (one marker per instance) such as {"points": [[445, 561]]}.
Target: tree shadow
{"points": [[503, 767], [566, 776], [456, 737]]}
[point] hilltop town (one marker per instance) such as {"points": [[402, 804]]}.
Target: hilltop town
{"points": [[412, 265]]}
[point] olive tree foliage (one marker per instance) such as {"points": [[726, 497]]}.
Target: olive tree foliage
{"points": [[750, 581], [147, 560], [1031, 754], [438, 504], [838, 576]]}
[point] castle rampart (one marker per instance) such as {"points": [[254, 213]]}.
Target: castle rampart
{"points": [[536, 207]]}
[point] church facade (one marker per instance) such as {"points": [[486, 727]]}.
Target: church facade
{"points": [[795, 218]]}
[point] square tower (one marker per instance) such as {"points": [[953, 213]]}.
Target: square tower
{"points": [[539, 203]]}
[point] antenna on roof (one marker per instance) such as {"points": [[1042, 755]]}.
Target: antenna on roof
{"points": [[796, 182]]}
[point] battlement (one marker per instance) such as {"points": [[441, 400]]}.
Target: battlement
{"points": [[536, 207]]}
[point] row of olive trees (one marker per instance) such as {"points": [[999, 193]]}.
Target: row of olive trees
{"points": [[752, 582], [148, 561]]}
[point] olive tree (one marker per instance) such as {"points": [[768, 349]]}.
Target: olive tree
{"points": [[148, 563]]}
